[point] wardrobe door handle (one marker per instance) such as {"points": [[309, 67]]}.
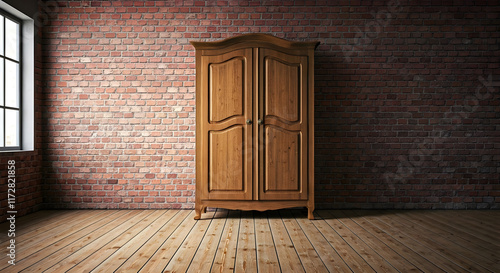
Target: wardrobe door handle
{"points": [[249, 121], [260, 122]]}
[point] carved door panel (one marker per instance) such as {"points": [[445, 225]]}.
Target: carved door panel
{"points": [[226, 142], [283, 125]]}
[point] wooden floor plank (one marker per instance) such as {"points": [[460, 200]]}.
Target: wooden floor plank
{"points": [[43, 230], [376, 261], [142, 255], [31, 221], [246, 250], [274, 241], [481, 226], [308, 256], [226, 253], [329, 256], [182, 259], [287, 255], [115, 260], [391, 256], [82, 255], [57, 256], [465, 227], [415, 258], [462, 230], [28, 246], [204, 256], [114, 245], [67, 244], [430, 254], [477, 262], [167, 250], [435, 243], [489, 218], [480, 247], [353, 259], [267, 259], [44, 262]]}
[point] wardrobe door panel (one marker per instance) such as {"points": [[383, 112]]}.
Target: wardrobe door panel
{"points": [[283, 130], [282, 89], [227, 137], [226, 89], [282, 156]]}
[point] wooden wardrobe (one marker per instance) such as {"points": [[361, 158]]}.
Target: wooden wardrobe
{"points": [[254, 124]]}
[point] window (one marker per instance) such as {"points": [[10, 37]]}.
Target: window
{"points": [[10, 82], [17, 80]]}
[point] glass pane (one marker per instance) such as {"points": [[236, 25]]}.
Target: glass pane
{"points": [[11, 84], [11, 128], [1, 81], [1, 35], [1, 127], [12, 39]]}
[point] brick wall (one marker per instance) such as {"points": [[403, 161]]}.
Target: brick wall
{"points": [[407, 100], [28, 177]]}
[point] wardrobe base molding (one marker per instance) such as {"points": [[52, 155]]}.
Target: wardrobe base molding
{"points": [[257, 205]]}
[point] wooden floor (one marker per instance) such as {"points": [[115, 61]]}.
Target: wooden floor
{"points": [[275, 241]]}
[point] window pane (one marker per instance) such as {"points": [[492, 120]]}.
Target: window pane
{"points": [[11, 84], [12, 39], [1, 127], [11, 128], [1, 35], [1, 81]]}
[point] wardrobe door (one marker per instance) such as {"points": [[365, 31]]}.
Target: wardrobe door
{"points": [[226, 125], [283, 126]]}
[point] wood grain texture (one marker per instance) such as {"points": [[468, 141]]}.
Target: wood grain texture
{"points": [[284, 246], [409, 240], [267, 259], [117, 244], [225, 257], [253, 40], [308, 256], [163, 255], [33, 221], [282, 160], [246, 258], [235, 241], [204, 256], [226, 89], [226, 162], [223, 137], [122, 254], [284, 156], [143, 254], [374, 259], [391, 256], [326, 252], [283, 90]]}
